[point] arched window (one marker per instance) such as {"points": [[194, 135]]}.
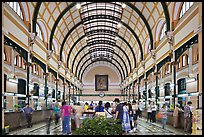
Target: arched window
{"points": [[20, 61], [185, 7], [183, 60], [24, 66], [162, 34], [39, 31], [16, 60], [5, 59], [16, 7]]}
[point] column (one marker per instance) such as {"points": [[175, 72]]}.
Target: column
{"points": [[133, 90], [73, 92], [190, 51], [200, 52], [69, 92], [129, 92], [146, 90], [64, 83], [56, 88], [123, 90], [2, 60], [170, 39], [46, 89], [139, 94]]}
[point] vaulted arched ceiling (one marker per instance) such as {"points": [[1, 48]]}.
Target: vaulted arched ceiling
{"points": [[95, 25]]}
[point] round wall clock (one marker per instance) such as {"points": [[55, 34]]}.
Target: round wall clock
{"points": [[101, 94]]}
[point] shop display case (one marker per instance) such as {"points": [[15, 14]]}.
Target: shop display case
{"points": [[197, 122]]}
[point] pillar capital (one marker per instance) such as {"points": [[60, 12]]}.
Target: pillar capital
{"points": [[169, 36]]}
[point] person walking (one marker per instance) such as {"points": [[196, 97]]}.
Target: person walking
{"points": [[136, 112], [130, 111], [65, 111], [176, 115], [164, 112], [154, 110], [28, 111], [78, 114], [149, 112], [126, 119], [118, 111], [187, 117], [56, 113], [141, 107], [50, 117], [99, 108], [108, 110]]}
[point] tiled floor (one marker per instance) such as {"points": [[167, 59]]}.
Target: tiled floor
{"points": [[143, 129]]}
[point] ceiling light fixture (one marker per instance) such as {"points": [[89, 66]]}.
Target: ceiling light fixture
{"points": [[78, 6], [119, 25], [116, 38], [123, 5]]}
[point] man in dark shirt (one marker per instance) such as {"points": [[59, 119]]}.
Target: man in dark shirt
{"points": [[28, 114], [118, 110], [99, 108]]}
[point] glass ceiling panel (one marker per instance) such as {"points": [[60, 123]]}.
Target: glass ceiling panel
{"points": [[100, 19]]}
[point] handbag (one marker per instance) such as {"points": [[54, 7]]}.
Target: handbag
{"points": [[159, 115]]}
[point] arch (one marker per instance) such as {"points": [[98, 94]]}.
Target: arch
{"points": [[58, 20], [55, 45], [175, 11], [115, 45], [182, 75], [35, 15], [158, 28], [44, 29], [6, 52], [89, 53], [166, 12], [146, 46], [35, 80], [145, 22], [162, 31], [84, 37], [101, 65], [26, 11], [102, 60], [20, 75], [61, 48], [97, 61], [184, 9], [39, 31]]}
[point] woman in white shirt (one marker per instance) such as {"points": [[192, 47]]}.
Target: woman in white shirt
{"points": [[154, 110], [108, 110], [149, 112]]}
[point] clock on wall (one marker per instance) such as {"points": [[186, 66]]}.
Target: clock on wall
{"points": [[101, 94]]}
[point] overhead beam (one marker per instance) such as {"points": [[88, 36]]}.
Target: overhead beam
{"points": [[35, 15]]}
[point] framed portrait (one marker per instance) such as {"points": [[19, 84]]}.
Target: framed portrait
{"points": [[101, 82]]}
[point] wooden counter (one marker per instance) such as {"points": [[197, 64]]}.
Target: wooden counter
{"points": [[17, 119]]}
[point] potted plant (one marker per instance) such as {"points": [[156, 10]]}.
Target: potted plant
{"points": [[16, 106], [99, 126]]}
